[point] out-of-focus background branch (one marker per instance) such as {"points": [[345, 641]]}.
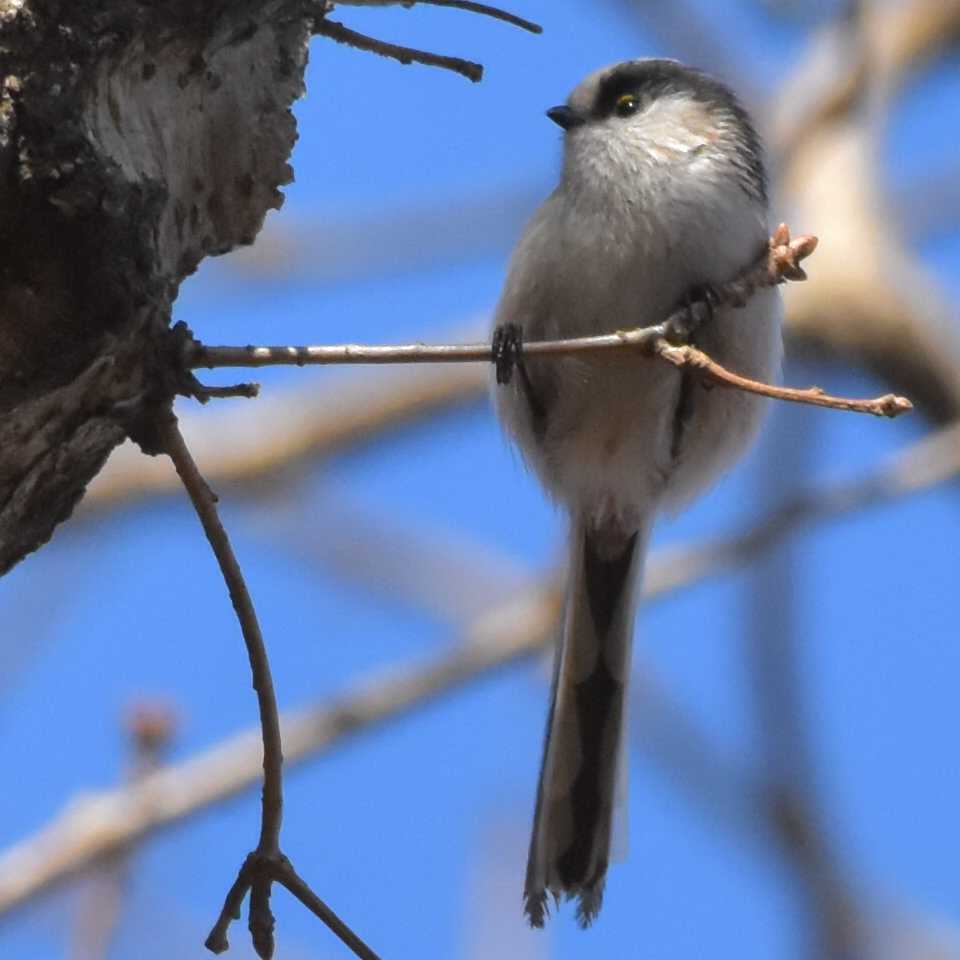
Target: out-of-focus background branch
{"points": [[793, 685]]}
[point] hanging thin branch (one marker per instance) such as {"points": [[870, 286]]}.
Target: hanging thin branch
{"points": [[266, 864]]}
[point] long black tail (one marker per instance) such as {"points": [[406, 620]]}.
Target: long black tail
{"points": [[570, 844]]}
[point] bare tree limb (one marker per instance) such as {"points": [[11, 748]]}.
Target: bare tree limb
{"points": [[517, 628], [893, 40], [871, 303]]}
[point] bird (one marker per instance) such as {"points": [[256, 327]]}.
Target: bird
{"points": [[662, 197]]}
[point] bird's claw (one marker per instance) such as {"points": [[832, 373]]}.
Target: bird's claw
{"points": [[507, 350], [698, 308]]}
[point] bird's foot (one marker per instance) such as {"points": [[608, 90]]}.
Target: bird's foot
{"points": [[507, 351], [698, 309]]}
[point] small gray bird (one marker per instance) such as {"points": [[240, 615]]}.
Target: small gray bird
{"points": [[663, 194]]}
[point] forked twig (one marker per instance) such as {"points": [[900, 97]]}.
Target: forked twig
{"points": [[779, 263], [690, 358], [266, 864]]}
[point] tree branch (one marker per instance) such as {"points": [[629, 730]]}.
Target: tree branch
{"points": [[482, 8], [690, 358], [205, 504], [405, 55], [780, 262], [266, 864]]}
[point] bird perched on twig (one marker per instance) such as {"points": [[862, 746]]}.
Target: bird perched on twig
{"points": [[663, 194]]}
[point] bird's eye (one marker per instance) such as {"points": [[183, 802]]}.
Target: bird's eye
{"points": [[627, 104]]}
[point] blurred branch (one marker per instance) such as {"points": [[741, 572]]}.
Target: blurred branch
{"points": [[893, 39], [150, 728], [931, 461], [440, 230], [426, 566], [788, 799], [686, 31], [928, 206], [96, 824], [90, 827], [286, 430], [871, 303]]}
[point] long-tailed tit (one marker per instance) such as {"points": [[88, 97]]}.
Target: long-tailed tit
{"points": [[663, 194]]}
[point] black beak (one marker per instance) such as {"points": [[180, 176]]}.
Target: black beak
{"points": [[565, 117]]}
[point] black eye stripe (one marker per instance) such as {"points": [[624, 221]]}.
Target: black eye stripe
{"points": [[650, 79], [643, 84]]}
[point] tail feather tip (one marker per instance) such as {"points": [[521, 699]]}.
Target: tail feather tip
{"points": [[590, 899], [535, 907]]}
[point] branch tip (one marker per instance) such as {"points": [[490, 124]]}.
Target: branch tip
{"points": [[484, 10], [405, 55]]}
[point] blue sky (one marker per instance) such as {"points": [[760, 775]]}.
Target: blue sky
{"points": [[417, 832]]}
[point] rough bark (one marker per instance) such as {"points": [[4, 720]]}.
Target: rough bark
{"points": [[136, 138]]}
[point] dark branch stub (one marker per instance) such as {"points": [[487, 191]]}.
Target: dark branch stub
{"points": [[406, 55]]}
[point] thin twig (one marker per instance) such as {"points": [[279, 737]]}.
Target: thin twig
{"points": [[483, 9], [205, 504], [690, 358], [249, 391], [288, 877], [91, 826], [266, 863], [779, 262], [271, 817], [406, 55]]}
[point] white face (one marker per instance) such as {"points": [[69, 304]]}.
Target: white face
{"points": [[647, 137], [624, 127]]}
